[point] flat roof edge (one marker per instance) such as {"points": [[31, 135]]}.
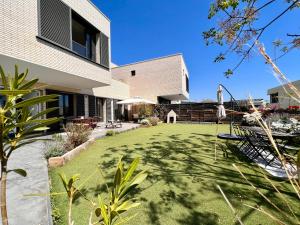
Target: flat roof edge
{"points": [[149, 60], [98, 10]]}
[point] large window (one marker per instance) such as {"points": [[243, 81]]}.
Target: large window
{"points": [[65, 104], [62, 26], [274, 98], [83, 38]]}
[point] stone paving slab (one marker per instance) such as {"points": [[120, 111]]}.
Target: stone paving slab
{"points": [[35, 210], [22, 209]]}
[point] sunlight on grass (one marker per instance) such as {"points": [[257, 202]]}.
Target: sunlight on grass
{"points": [[181, 187]]}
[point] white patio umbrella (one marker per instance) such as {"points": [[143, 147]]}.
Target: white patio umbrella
{"points": [[221, 113], [135, 101]]}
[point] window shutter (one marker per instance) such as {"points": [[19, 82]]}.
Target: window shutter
{"points": [[55, 22], [108, 109], [104, 50]]}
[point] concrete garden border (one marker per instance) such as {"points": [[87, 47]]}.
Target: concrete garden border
{"points": [[62, 160], [59, 161]]}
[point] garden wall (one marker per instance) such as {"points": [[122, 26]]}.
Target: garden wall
{"points": [[195, 112]]}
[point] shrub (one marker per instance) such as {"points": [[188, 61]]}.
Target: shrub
{"points": [[55, 147], [107, 211], [153, 120], [146, 122], [77, 134], [110, 133]]}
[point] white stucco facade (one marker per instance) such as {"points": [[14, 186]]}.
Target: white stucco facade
{"points": [[283, 100]]}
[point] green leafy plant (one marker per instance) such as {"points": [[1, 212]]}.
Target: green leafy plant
{"points": [[109, 213], [110, 133], [118, 201], [17, 123], [71, 190], [154, 120], [148, 110]]}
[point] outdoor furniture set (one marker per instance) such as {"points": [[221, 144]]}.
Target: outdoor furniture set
{"points": [[256, 144], [113, 124], [91, 122]]}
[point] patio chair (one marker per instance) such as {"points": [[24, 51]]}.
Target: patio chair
{"points": [[255, 146], [110, 124], [118, 124], [239, 132]]}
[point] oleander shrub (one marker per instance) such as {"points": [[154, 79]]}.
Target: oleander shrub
{"points": [[110, 133], [77, 134], [154, 120]]}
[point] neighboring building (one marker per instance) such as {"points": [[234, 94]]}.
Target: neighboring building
{"points": [[281, 98], [161, 80], [257, 102], [66, 44]]}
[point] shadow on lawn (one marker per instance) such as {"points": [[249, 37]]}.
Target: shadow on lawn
{"points": [[177, 163]]}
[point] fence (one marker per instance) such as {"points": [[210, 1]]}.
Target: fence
{"points": [[195, 112]]}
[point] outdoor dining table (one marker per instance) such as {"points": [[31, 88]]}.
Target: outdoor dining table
{"points": [[283, 139], [91, 122], [275, 134]]}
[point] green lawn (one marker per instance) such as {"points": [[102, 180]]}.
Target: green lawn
{"points": [[181, 187]]}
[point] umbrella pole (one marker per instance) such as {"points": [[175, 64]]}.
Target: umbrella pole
{"points": [[231, 116]]}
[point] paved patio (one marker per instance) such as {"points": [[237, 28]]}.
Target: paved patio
{"points": [[100, 130], [35, 210]]}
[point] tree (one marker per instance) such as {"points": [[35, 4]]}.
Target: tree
{"points": [[17, 122], [240, 27]]}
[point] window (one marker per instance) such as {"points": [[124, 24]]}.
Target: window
{"points": [[274, 98], [187, 85], [83, 38], [133, 73], [63, 27]]}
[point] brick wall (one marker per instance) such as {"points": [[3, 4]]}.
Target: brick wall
{"points": [[153, 78], [19, 28]]}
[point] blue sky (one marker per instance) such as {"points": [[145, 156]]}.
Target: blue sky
{"points": [[144, 29]]}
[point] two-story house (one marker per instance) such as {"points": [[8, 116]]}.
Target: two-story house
{"points": [[66, 44]]}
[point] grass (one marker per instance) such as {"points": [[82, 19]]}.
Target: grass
{"points": [[181, 187]]}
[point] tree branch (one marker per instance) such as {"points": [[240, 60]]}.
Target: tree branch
{"points": [[262, 30], [293, 35]]}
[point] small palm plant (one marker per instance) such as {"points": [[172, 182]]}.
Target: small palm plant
{"points": [[71, 191], [17, 122], [109, 213], [118, 202]]}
